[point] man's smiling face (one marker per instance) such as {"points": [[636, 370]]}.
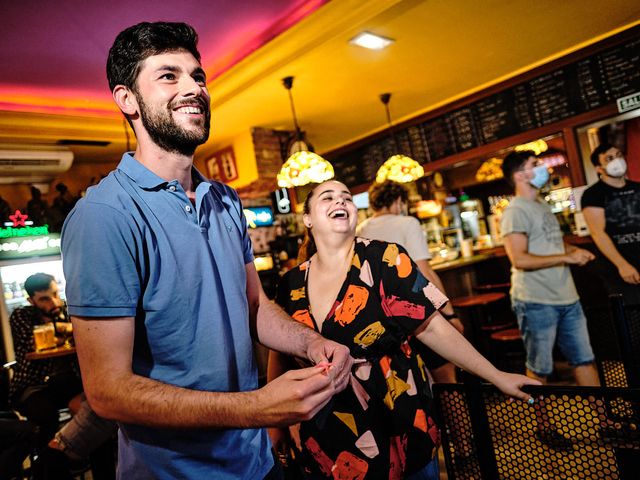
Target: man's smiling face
{"points": [[173, 101]]}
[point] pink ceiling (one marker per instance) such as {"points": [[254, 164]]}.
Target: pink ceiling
{"points": [[58, 49]]}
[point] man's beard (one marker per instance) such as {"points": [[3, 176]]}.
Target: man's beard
{"points": [[53, 314], [168, 135]]}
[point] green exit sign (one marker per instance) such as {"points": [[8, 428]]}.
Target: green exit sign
{"points": [[630, 102]]}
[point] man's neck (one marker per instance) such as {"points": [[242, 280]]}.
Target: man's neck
{"points": [[167, 165], [526, 191], [616, 182]]}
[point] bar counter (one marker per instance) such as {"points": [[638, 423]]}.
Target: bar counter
{"points": [[491, 266]]}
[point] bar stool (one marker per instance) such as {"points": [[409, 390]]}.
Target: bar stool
{"points": [[479, 312], [493, 287], [509, 349]]}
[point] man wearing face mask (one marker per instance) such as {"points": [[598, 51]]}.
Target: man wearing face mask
{"points": [[543, 294], [611, 208]]}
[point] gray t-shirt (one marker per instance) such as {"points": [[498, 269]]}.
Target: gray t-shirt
{"points": [[553, 285], [403, 230]]}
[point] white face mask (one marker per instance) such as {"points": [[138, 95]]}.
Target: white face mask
{"points": [[616, 167]]}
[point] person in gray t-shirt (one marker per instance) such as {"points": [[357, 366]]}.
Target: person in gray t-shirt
{"points": [[543, 295]]}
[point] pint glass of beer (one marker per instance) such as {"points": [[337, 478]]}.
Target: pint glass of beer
{"points": [[44, 337]]}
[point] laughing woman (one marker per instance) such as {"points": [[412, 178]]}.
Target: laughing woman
{"points": [[370, 296]]}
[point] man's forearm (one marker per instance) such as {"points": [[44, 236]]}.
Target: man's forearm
{"points": [[278, 331], [528, 261], [608, 248], [139, 400]]}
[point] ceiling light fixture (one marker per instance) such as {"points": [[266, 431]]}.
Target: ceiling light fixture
{"points": [[371, 41], [398, 168], [303, 166], [537, 147]]}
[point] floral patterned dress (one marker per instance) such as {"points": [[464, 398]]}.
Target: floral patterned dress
{"points": [[378, 427]]}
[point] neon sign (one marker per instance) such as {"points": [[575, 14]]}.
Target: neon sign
{"points": [[20, 226], [20, 239], [258, 216]]}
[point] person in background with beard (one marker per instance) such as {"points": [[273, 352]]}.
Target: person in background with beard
{"points": [[40, 387], [165, 308]]}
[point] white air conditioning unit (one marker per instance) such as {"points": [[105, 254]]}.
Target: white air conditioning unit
{"points": [[28, 161]]}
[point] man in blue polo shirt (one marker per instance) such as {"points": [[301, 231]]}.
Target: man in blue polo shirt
{"points": [[163, 293]]}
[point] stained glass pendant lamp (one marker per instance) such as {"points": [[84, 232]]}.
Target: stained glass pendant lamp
{"points": [[303, 166], [398, 168]]}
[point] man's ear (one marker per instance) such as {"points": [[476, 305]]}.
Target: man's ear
{"points": [[30, 300], [126, 100]]}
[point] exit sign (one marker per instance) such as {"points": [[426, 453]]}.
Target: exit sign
{"points": [[630, 102]]}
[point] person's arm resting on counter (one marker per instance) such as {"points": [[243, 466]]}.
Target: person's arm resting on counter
{"points": [[116, 393], [517, 247], [596, 221]]}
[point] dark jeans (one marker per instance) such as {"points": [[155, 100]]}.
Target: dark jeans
{"points": [[41, 405], [16, 441]]}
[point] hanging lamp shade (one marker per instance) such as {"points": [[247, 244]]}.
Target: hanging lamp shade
{"points": [[398, 168], [401, 169], [303, 166]]}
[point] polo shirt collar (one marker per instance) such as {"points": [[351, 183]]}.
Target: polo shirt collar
{"points": [[145, 178]]}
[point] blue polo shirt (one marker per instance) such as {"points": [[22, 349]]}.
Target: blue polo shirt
{"points": [[135, 246]]}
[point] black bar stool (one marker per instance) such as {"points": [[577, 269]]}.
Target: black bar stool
{"points": [[482, 316]]}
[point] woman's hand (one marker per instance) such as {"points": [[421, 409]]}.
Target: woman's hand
{"points": [[511, 384]]}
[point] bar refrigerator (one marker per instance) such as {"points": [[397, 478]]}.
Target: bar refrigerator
{"points": [[24, 250]]}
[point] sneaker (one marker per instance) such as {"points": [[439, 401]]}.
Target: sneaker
{"points": [[554, 439]]}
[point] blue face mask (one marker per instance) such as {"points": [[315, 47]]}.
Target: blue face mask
{"points": [[540, 176]]}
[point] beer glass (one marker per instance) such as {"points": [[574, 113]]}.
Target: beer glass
{"points": [[44, 337]]}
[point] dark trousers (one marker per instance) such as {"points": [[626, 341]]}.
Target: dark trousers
{"points": [[41, 406], [16, 441]]}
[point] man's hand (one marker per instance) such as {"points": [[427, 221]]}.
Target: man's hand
{"points": [[579, 256], [294, 397], [629, 274], [336, 355]]}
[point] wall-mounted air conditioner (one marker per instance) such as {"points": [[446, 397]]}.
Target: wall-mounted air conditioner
{"points": [[34, 161]]}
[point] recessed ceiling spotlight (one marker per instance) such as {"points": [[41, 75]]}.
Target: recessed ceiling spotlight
{"points": [[371, 41]]}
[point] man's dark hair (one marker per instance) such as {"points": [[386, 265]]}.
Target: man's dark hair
{"points": [[514, 162], [135, 44], [382, 195], [600, 150], [37, 283]]}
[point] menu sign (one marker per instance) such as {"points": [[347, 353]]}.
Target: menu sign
{"points": [[570, 90]]}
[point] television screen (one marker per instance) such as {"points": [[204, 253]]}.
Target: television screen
{"points": [[361, 200], [259, 216]]}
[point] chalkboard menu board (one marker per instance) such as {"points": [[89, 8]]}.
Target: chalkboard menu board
{"points": [[570, 90]]}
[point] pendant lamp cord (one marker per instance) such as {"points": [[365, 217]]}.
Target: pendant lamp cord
{"points": [[288, 84], [384, 98]]}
